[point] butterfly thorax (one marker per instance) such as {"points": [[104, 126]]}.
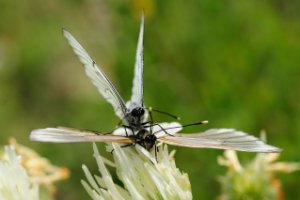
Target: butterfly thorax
{"points": [[145, 139]]}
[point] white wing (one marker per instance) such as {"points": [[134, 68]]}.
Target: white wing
{"points": [[67, 135], [97, 76], [220, 139], [165, 128], [138, 81]]}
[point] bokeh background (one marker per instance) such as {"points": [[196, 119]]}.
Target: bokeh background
{"points": [[236, 64]]}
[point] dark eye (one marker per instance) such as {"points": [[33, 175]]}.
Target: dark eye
{"points": [[147, 139], [150, 138], [137, 112]]}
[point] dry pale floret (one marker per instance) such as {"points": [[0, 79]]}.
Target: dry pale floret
{"points": [[143, 176], [15, 183]]}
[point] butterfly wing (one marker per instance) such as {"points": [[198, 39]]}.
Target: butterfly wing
{"points": [[165, 128], [97, 76], [138, 81], [68, 135], [220, 139]]}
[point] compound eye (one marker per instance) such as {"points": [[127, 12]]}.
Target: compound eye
{"points": [[150, 138], [137, 112], [142, 111], [134, 112]]}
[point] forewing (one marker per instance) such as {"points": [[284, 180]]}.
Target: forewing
{"points": [[221, 139], [138, 81], [97, 76], [68, 135]]}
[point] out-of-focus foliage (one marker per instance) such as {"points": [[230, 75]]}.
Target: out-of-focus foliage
{"points": [[255, 180], [233, 63]]}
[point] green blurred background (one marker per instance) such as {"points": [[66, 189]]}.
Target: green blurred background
{"points": [[233, 63]]}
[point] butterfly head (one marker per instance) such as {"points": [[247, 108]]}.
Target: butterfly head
{"points": [[138, 112]]}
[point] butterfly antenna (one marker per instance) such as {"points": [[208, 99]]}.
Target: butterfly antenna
{"points": [[197, 123], [150, 109], [186, 125]]}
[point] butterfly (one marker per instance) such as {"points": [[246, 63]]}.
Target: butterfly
{"points": [[134, 115]]}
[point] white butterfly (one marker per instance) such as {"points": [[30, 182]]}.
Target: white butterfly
{"points": [[134, 115]]}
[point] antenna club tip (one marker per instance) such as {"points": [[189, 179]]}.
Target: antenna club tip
{"points": [[178, 118], [205, 122]]}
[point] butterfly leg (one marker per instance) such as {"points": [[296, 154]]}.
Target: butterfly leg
{"points": [[127, 127], [112, 151], [128, 145], [155, 152], [126, 131], [156, 124]]}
